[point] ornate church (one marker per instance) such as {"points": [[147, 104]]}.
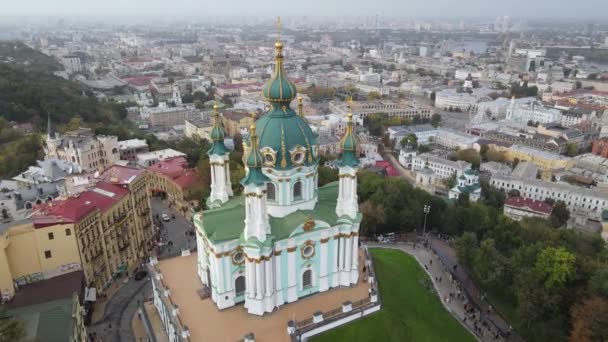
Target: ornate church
{"points": [[285, 238]]}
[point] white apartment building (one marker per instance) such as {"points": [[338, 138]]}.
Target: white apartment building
{"points": [[532, 111], [402, 109], [82, 147], [454, 139], [129, 149], [148, 159], [367, 88], [198, 129], [589, 201], [562, 87], [424, 133], [171, 116], [458, 99], [443, 168]]}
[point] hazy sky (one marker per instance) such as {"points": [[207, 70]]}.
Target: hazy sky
{"points": [[582, 9]]}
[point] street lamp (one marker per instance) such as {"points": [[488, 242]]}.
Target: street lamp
{"points": [[427, 209]]}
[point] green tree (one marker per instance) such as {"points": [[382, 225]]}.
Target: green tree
{"points": [[11, 330], [374, 95], [571, 149], [327, 175], [466, 248], [556, 265], [598, 283], [410, 141], [560, 214], [435, 120], [590, 320]]}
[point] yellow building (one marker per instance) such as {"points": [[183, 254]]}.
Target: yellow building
{"points": [[236, 120], [30, 253], [546, 161], [173, 179]]}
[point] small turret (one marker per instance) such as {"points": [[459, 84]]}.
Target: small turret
{"points": [[348, 144], [218, 134], [254, 162]]}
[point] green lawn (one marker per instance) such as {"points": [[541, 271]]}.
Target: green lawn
{"points": [[410, 311]]}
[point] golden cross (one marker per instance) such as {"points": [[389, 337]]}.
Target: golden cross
{"points": [[278, 28]]}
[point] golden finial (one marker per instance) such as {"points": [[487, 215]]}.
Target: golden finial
{"points": [[300, 106], [278, 29], [350, 108], [252, 127]]}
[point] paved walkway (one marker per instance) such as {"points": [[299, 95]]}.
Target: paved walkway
{"points": [[449, 291]]}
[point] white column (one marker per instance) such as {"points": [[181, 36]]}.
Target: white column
{"points": [[354, 274], [341, 256], [292, 293], [323, 259], [269, 280], [277, 277], [334, 264], [250, 277], [212, 283], [259, 278], [347, 257]]}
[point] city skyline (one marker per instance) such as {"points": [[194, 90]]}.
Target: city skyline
{"points": [[594, 9]]}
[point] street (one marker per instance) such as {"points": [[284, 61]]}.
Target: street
{"points": [[115, 326]]}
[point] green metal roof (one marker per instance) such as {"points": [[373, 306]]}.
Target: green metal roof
{"points": [[279, 89], [227, 222], [349, 146], [282, 130], [49, 322], [218, 134], [470, 172]]}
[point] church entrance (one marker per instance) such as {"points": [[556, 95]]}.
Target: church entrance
{"points": [[307, 279], [239, 285]]}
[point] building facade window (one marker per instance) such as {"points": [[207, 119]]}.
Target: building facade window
{"points": [[51, 236], [239, 285], [68, 232], [297, 191], [307, 279], [271, 192], [48, 254]]}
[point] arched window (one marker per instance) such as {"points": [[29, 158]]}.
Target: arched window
{"points": [[271, 192], [239, 285], [307, 279], [297, 191]]}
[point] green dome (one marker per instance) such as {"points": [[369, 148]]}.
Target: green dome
{"points": [[279, 89], [349, 145], [254, 162], [218, 134], [288, 136], [286, 140]]}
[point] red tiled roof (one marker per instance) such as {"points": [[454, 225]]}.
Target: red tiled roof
{"points": [[390, 170], [529, 204], [138, 81], [74, 209], [177, 169]]}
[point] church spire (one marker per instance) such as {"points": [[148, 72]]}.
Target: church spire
{"points": [[50, 131], [218, 134], [279, 90], [254, 162], [348, 144], [300, 106]]}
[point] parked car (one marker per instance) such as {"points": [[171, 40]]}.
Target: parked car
{"points": [[166, 217], [139, 275]]}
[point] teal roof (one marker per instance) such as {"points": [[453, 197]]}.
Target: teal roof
{"points": [[50, 322], [469, 189], [470, 172], [218, 134], [349, 146], [282, 130], [254, 163], [279, 89], [228, 221]]}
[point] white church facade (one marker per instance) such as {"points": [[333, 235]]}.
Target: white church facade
{"points": [[285, 237]]}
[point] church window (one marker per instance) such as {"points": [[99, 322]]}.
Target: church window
{"points": [[239, 285], [238, 258], [297, 191], [307, 279], [271, 192], [308, 251], [298, 157]]}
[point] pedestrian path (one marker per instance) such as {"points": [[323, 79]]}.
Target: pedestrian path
{"points": [[448, 291]]}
